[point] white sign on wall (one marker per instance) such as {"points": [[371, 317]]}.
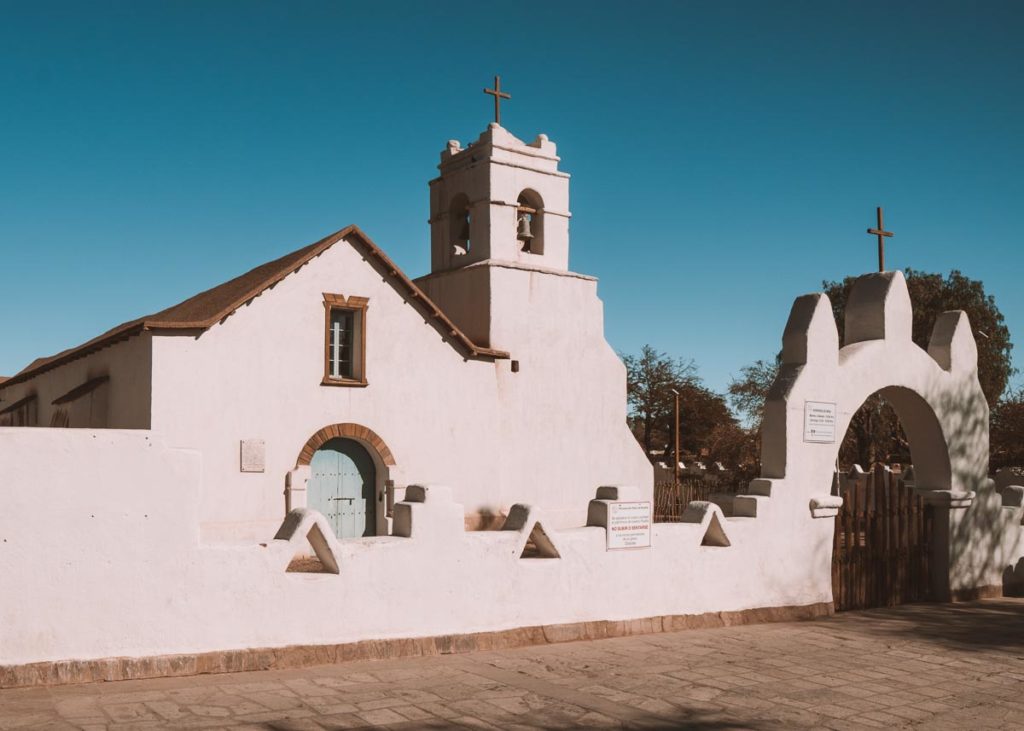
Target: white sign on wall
{"points": [[819, 422], [253, 457], [629, 525]]}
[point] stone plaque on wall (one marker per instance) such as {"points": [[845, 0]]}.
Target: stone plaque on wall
{"points": [[254, 455], [820, 422], [629, 525]]}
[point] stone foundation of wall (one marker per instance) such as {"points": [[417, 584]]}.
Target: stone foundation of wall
{"points": [[296, 656]]}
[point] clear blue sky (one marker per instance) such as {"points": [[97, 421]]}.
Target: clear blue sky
{"points": [[726, 156]]}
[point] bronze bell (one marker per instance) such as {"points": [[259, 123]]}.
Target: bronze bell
{"points": [[463, 234], [524, 233]]}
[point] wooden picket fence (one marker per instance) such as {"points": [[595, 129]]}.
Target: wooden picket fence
{"points": [[671, 499], [881, 549]]}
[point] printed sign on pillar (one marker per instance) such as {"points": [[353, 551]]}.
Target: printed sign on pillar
{"points": [[820, 422]]}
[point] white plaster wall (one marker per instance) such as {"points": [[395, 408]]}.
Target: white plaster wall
{"points": [[96, 531], [128, 365], [549, 435], [113, 566], [114, 562], [567, 404], [938, 399]]}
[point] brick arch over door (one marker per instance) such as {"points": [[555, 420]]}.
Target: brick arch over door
{"points": [[350, 431]]}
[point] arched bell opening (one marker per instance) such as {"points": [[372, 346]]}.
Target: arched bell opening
{"points": [[530, 222], [885, 541], [460, 225]]}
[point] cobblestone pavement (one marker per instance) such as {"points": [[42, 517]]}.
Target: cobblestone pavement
{"points": [[923, 666]]}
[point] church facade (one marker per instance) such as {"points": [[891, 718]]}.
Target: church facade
{"points": [[328, 379]]}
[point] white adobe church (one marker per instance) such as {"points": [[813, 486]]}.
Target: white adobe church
{"points": [[327, 378], [284, 409]]}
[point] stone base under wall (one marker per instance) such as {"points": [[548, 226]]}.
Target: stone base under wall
{"points": [[978, 592], [296, 656]]}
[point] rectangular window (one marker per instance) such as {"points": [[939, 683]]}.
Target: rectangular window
{"points": [[342, 330], [345, 341]]}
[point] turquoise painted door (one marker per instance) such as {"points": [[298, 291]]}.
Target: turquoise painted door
{"points": [[343, 486]]}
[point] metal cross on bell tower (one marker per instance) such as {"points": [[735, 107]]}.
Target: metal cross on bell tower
{"points": [[498, 96], [882, 234]]}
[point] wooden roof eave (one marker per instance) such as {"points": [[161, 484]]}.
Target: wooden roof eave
{"points": [[122, 332], [433, 311], [392, 270], [135, 327]]}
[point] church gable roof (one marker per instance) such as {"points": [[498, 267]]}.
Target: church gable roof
{"points": [[206, 309]]}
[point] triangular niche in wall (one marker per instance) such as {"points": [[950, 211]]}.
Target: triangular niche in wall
{"points": [[303, 529], [306, 565], [322, 562], [715, 534], [539, 545]]}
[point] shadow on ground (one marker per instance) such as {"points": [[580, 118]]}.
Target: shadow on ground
{"points": [[691, 721], [994, 624]]}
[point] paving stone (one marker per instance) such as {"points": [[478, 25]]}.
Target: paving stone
{"points": [[129, 712], [336, 722], [937, 666]]}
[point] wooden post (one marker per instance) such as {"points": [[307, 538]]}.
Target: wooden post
{"points": [[675, 454]]}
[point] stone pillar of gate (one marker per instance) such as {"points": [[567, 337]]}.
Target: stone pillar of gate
{"points": [[939, 400]]}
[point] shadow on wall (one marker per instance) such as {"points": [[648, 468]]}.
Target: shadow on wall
{"points": [[986, 534], [1013, 580], [486, 518]]}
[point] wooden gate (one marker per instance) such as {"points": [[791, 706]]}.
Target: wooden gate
{"points": [[881, 550], [671, 499]]}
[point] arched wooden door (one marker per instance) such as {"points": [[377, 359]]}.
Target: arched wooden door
{"points": [[343, 486]]}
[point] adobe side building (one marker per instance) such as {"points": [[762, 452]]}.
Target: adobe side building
{"points": [[327, 378]]}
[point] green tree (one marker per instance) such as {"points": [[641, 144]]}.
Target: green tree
{"points": [[875, 433], [933, 294], [748, 393], [703, 414], [1007, 432], [652, 376]]}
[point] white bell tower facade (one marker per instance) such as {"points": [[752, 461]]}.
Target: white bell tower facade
{"points": [[483, 194], [499, 204]]}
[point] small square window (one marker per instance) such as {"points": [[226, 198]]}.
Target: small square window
{"points": [[345, 341]]}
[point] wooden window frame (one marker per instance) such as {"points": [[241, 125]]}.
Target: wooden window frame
{"points": [[357, 305]]}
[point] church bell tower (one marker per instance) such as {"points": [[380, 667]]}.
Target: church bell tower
{"points": [[498, 203], [499, 199]]}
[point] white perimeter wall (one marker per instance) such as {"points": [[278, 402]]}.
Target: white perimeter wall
{"points": [[105, 560]]}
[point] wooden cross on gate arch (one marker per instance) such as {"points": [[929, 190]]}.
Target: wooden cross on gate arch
{"points": [[882, 235]]}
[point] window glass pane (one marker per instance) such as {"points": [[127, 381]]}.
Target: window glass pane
{"points": [[341, 342]]}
